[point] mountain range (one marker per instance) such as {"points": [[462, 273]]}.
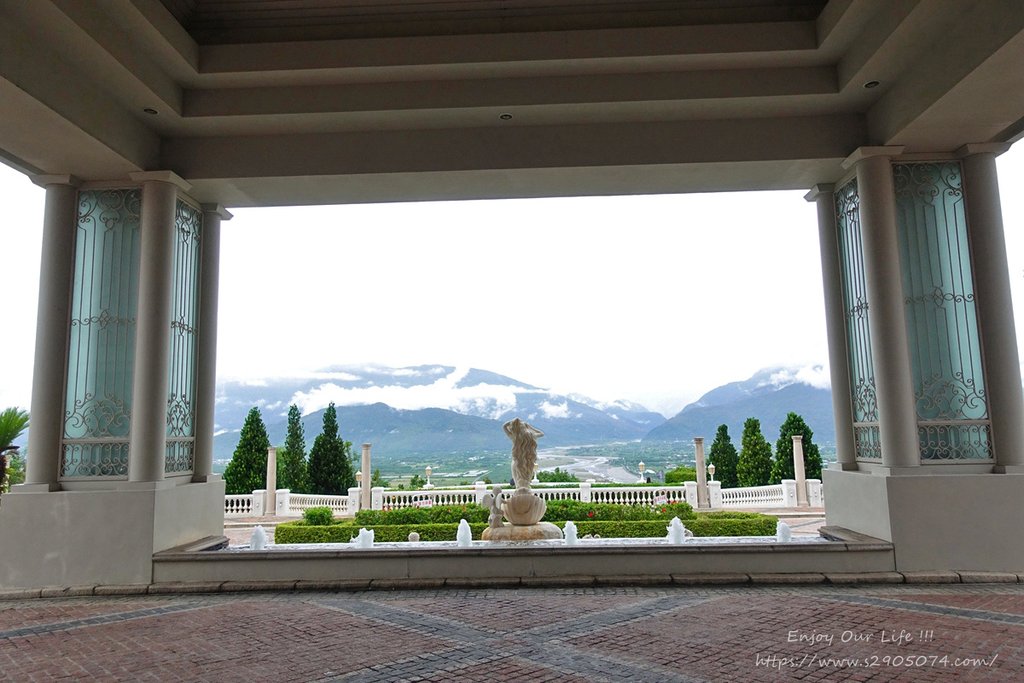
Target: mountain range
{"points": [[436, 408]]}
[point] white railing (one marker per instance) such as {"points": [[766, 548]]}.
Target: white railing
{"points": [[404, 499], [300, 502], [238, 505], [754, 496], [294, 504]]}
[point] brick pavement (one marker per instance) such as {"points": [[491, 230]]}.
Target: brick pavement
{"points": [[970, 632]]}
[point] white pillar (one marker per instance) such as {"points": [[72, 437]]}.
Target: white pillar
{"points": [[271, 480], [586, 492], [377, 498], [702, 473], [814, 493], [42, 471], [691, 493], [995, 306], [365, 484], [259, 502], [835, 324], [789, 493], [715, 494], [283, 497], [206, 346], [148, 443], [798, 470], [479, 491], [897, 417], [354, 504]]}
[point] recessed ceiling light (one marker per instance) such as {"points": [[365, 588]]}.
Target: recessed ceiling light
{"points": [[872, 84], [505, 117], [150, 111]]}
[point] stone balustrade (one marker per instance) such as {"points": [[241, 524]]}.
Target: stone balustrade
{"points": [[294, 504]]}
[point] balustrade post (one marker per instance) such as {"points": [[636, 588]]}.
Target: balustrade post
{"points": [[355, 499], [377, 498], [586, 493], [283, 497], [715, 494], [789, 499], [259, 502], [814, 493], [479, 491], [691, 493]]}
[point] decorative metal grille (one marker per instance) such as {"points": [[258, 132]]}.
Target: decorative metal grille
{"points": [[181, 384], [858, 334], [101, 342], [941, 314]]}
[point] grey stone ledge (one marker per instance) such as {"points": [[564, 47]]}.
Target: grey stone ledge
{"points": [[333, 585], [634, 580], [571, 580], [122, 589], [864, 577], [710, 579], [405, 584], [794, 578], [482, 582], [19, 593], [986, 577], [67, 591], [243, 586], [931, 577], [185, 587]]}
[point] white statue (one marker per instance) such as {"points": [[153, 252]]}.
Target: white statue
{"points": [[524, 450], [492, 500]]}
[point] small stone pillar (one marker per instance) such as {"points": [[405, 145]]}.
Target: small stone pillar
{"points": [[814, 493], [479, 491], [259, 502], [271, 481], [377, 498], [789, 493], [354, 502], [367, 476], [691, 492], [798, 470], [586, 493], [715, 494], [283, 497], [702, 473]]}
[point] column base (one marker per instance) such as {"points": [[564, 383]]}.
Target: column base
{"points": [[968, 522], [67, 538]]}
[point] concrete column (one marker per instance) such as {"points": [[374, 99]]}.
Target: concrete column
{"points": [[995, 307], [51, 354], [365, 484], [692, 494], [897, 418], [586, 492], [715, 494], [206, 345], [259, 503], [354, 504], [835, 324], [702, 473], [479, 491], [814, 493], [271, 480], [789, 493], [377, 498], [283, 497], [798, 470], [148, 444]]}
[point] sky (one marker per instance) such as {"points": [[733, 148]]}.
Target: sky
{"points": [[653, 299]]}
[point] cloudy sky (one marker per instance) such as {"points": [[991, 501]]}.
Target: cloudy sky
{"points": [[652, 299]]}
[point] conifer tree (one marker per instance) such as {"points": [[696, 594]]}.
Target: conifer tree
{"points": [[723, 456], [330, 466], [754, 466], [292, 467], [782, 468], [247, 471]]}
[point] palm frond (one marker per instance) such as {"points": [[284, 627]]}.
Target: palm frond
{"points": [[13, 422]]}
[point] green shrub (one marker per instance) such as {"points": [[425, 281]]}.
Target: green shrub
{"points": [[561, 510], [439, 514], [318, 516], [298, 532]]}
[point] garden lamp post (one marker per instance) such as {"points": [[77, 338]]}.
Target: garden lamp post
{"points": [[429, 471], [642, 467], [711, 470]]}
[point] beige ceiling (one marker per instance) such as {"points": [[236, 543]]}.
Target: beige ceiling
{"points": [[263, 102]]}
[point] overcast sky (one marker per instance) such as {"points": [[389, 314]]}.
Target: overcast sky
{"points": [[652, 299]]}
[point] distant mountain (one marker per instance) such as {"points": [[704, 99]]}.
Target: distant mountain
{"points": [[768, 396], [425, 409]]}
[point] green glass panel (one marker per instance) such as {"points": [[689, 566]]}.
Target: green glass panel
{"points": [[101, 342], [940, 311]]}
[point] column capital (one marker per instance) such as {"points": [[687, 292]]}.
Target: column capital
{"points": [[972, 148], [819, 190], [218, 209], [862, 153], [45, 180], [162, 177]]}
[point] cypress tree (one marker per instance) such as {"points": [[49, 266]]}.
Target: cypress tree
{"points": [[330, 467], [292, 466], [247, 471], [723, 456], [782, 468], [754, 466]]}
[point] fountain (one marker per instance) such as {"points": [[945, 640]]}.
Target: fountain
{"points": [[783, 534], [258, 540], [364, 539], [677, 532], [523, 509], [570, 533], [464, 536]]}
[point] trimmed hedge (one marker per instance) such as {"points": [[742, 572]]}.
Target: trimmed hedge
{"points": [[751, 524], [439, 514], [561, 510]]}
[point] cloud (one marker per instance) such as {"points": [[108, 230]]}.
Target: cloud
{"points": [[488, 400], [553, 411], [816, 376]]}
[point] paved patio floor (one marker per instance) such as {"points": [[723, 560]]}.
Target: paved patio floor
{"points": [[637, 634]]}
